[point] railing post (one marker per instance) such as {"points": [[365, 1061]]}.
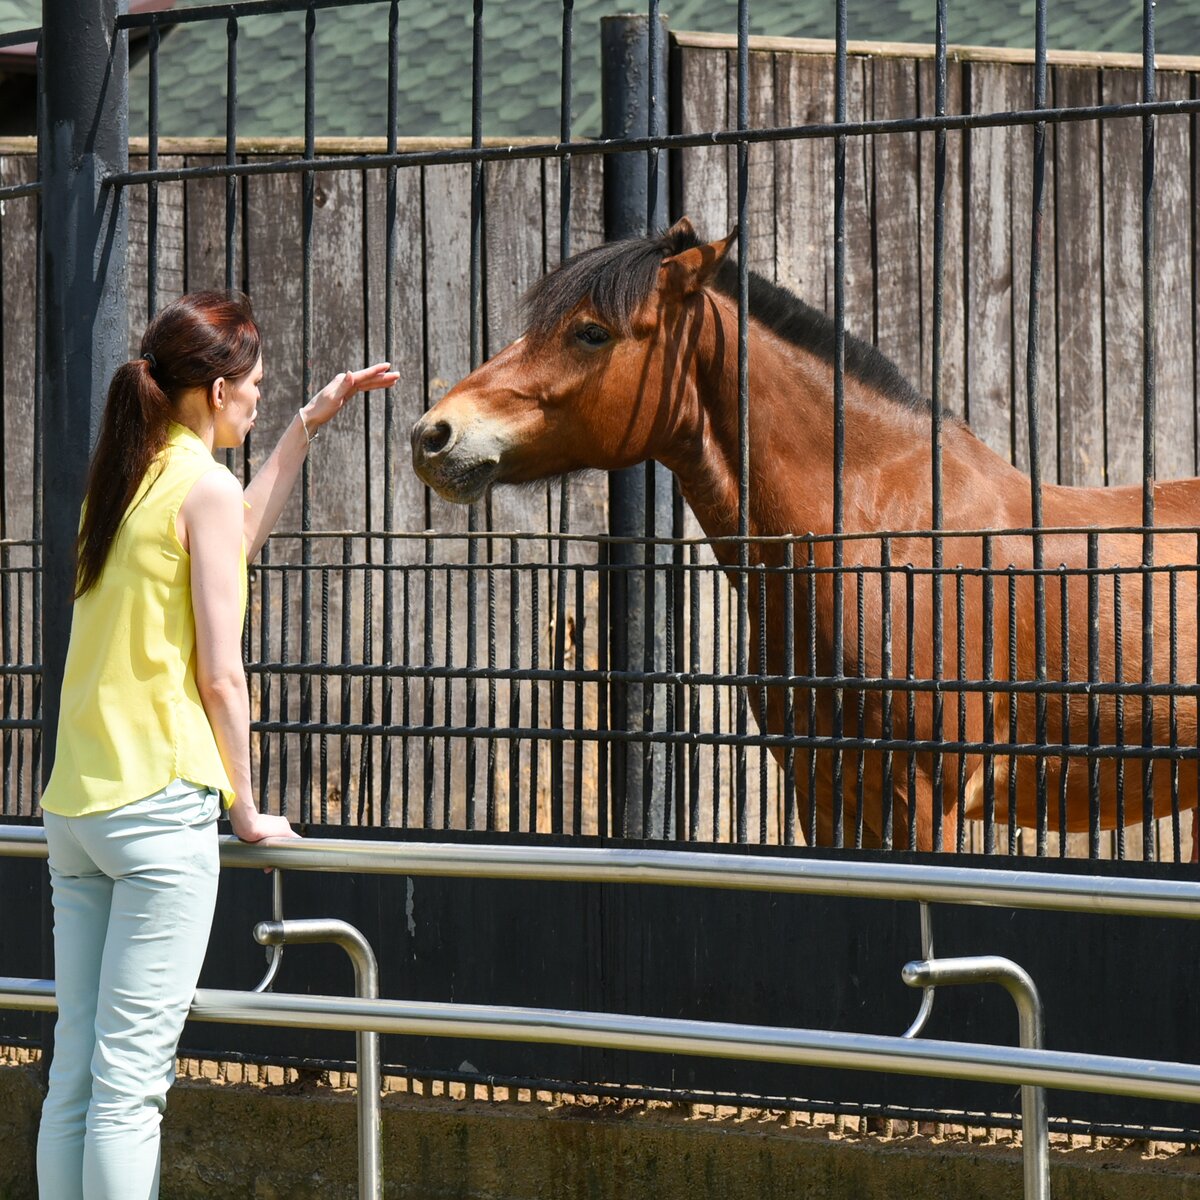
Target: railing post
{"points": [[84, 139], [991, 968], [634, 104]]}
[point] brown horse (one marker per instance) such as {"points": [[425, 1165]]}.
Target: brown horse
{"points": [[631, 354]]}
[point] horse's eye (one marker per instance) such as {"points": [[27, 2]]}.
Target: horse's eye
{"points": [[592, 335]]}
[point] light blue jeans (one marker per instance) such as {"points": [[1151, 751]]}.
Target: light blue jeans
{"points": [[134, 891]]}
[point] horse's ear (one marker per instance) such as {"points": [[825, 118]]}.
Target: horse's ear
{"points": [[688, 272]]}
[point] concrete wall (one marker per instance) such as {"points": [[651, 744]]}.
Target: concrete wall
{"points": [[243, 1142]]}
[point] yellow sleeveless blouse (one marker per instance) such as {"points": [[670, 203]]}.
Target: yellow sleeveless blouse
{"points": [[131, 719]]}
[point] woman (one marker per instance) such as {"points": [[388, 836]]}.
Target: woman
{"points": [[154, 731]]}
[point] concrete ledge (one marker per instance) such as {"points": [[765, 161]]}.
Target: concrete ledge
{"points": [[245, 1142]]}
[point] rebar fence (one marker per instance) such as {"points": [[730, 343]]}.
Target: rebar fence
{"points": [[576, 657]]}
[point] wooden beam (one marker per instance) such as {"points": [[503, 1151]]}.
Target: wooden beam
{"points": [[920, 50]]}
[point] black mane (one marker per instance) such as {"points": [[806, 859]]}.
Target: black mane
{"points": [[618, 276]]}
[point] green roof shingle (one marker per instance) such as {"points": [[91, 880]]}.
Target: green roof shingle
{"points": [[522, 57]]}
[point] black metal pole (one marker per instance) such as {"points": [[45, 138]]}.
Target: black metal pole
{"points": [[83, 139], [635, 203]]}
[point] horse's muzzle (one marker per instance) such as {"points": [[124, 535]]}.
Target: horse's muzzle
{"points": [[447, 463]]}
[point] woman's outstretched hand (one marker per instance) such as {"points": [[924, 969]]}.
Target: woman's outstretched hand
{"points": [[327, 403]]}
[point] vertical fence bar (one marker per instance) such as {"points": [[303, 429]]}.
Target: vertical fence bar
{"points": [[960, 782], [564, 488], [989, 699], [1032, 408], [789, 694], [741, 664], [1149, 469], [839, 407], [1093, 601], [1173, 716], [1064, 617], [477, 284], [152, 186], [391, 243], [1119, 700], [887, 783], [308, 206], [935, 417], [231, 105], [637, 772]]}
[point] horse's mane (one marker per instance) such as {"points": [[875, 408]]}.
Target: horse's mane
{"points": [[617, 277]]}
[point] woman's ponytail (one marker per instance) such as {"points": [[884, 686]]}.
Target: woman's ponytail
{"points": [[133, 432], [199, 338]]}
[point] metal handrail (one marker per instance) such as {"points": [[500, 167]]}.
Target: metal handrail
{"points": [[614, 1031], [1046, 891]]}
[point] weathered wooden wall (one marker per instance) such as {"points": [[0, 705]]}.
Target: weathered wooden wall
{"points": [[1090, 371]]}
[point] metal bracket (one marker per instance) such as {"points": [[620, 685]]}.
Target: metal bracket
{"points": [[274, 949], [926, 1009]]}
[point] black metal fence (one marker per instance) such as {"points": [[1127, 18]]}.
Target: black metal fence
{"points": [[597, 676], [572, 661]]}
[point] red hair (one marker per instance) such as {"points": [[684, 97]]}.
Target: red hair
{"points": [[201, 337]]}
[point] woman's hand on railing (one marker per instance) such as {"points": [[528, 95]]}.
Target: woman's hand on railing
{"points": [[250, 825]]}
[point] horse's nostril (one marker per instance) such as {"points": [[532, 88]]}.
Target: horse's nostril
{"points": [[435, 438]]}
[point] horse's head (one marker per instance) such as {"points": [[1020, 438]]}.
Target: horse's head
{"points": [[597, 380]]}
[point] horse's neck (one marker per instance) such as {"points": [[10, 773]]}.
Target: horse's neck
{"points": [[887, 448]]}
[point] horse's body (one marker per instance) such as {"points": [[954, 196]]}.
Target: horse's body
{"points": [[632, 355]]}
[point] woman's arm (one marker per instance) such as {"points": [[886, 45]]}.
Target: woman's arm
{"points": [[268, 491], [211, 526]]}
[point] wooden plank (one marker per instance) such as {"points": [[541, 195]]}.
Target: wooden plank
{"points": [[1121, 167], [860, 266], [587, 207], [804, 179], [1195, 264], [406, 353], [204, 205], [387, 444], [447, 226], [1175, 423], [170, 239], [895, 169], [1021, 151], [954, 318], [273, 277], [514, 262], [989, 335], [704, 186], [588, 490], [1080, 332], [826, 47], [18, 306], [335, 464], [760, 165], [18, 341]]}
